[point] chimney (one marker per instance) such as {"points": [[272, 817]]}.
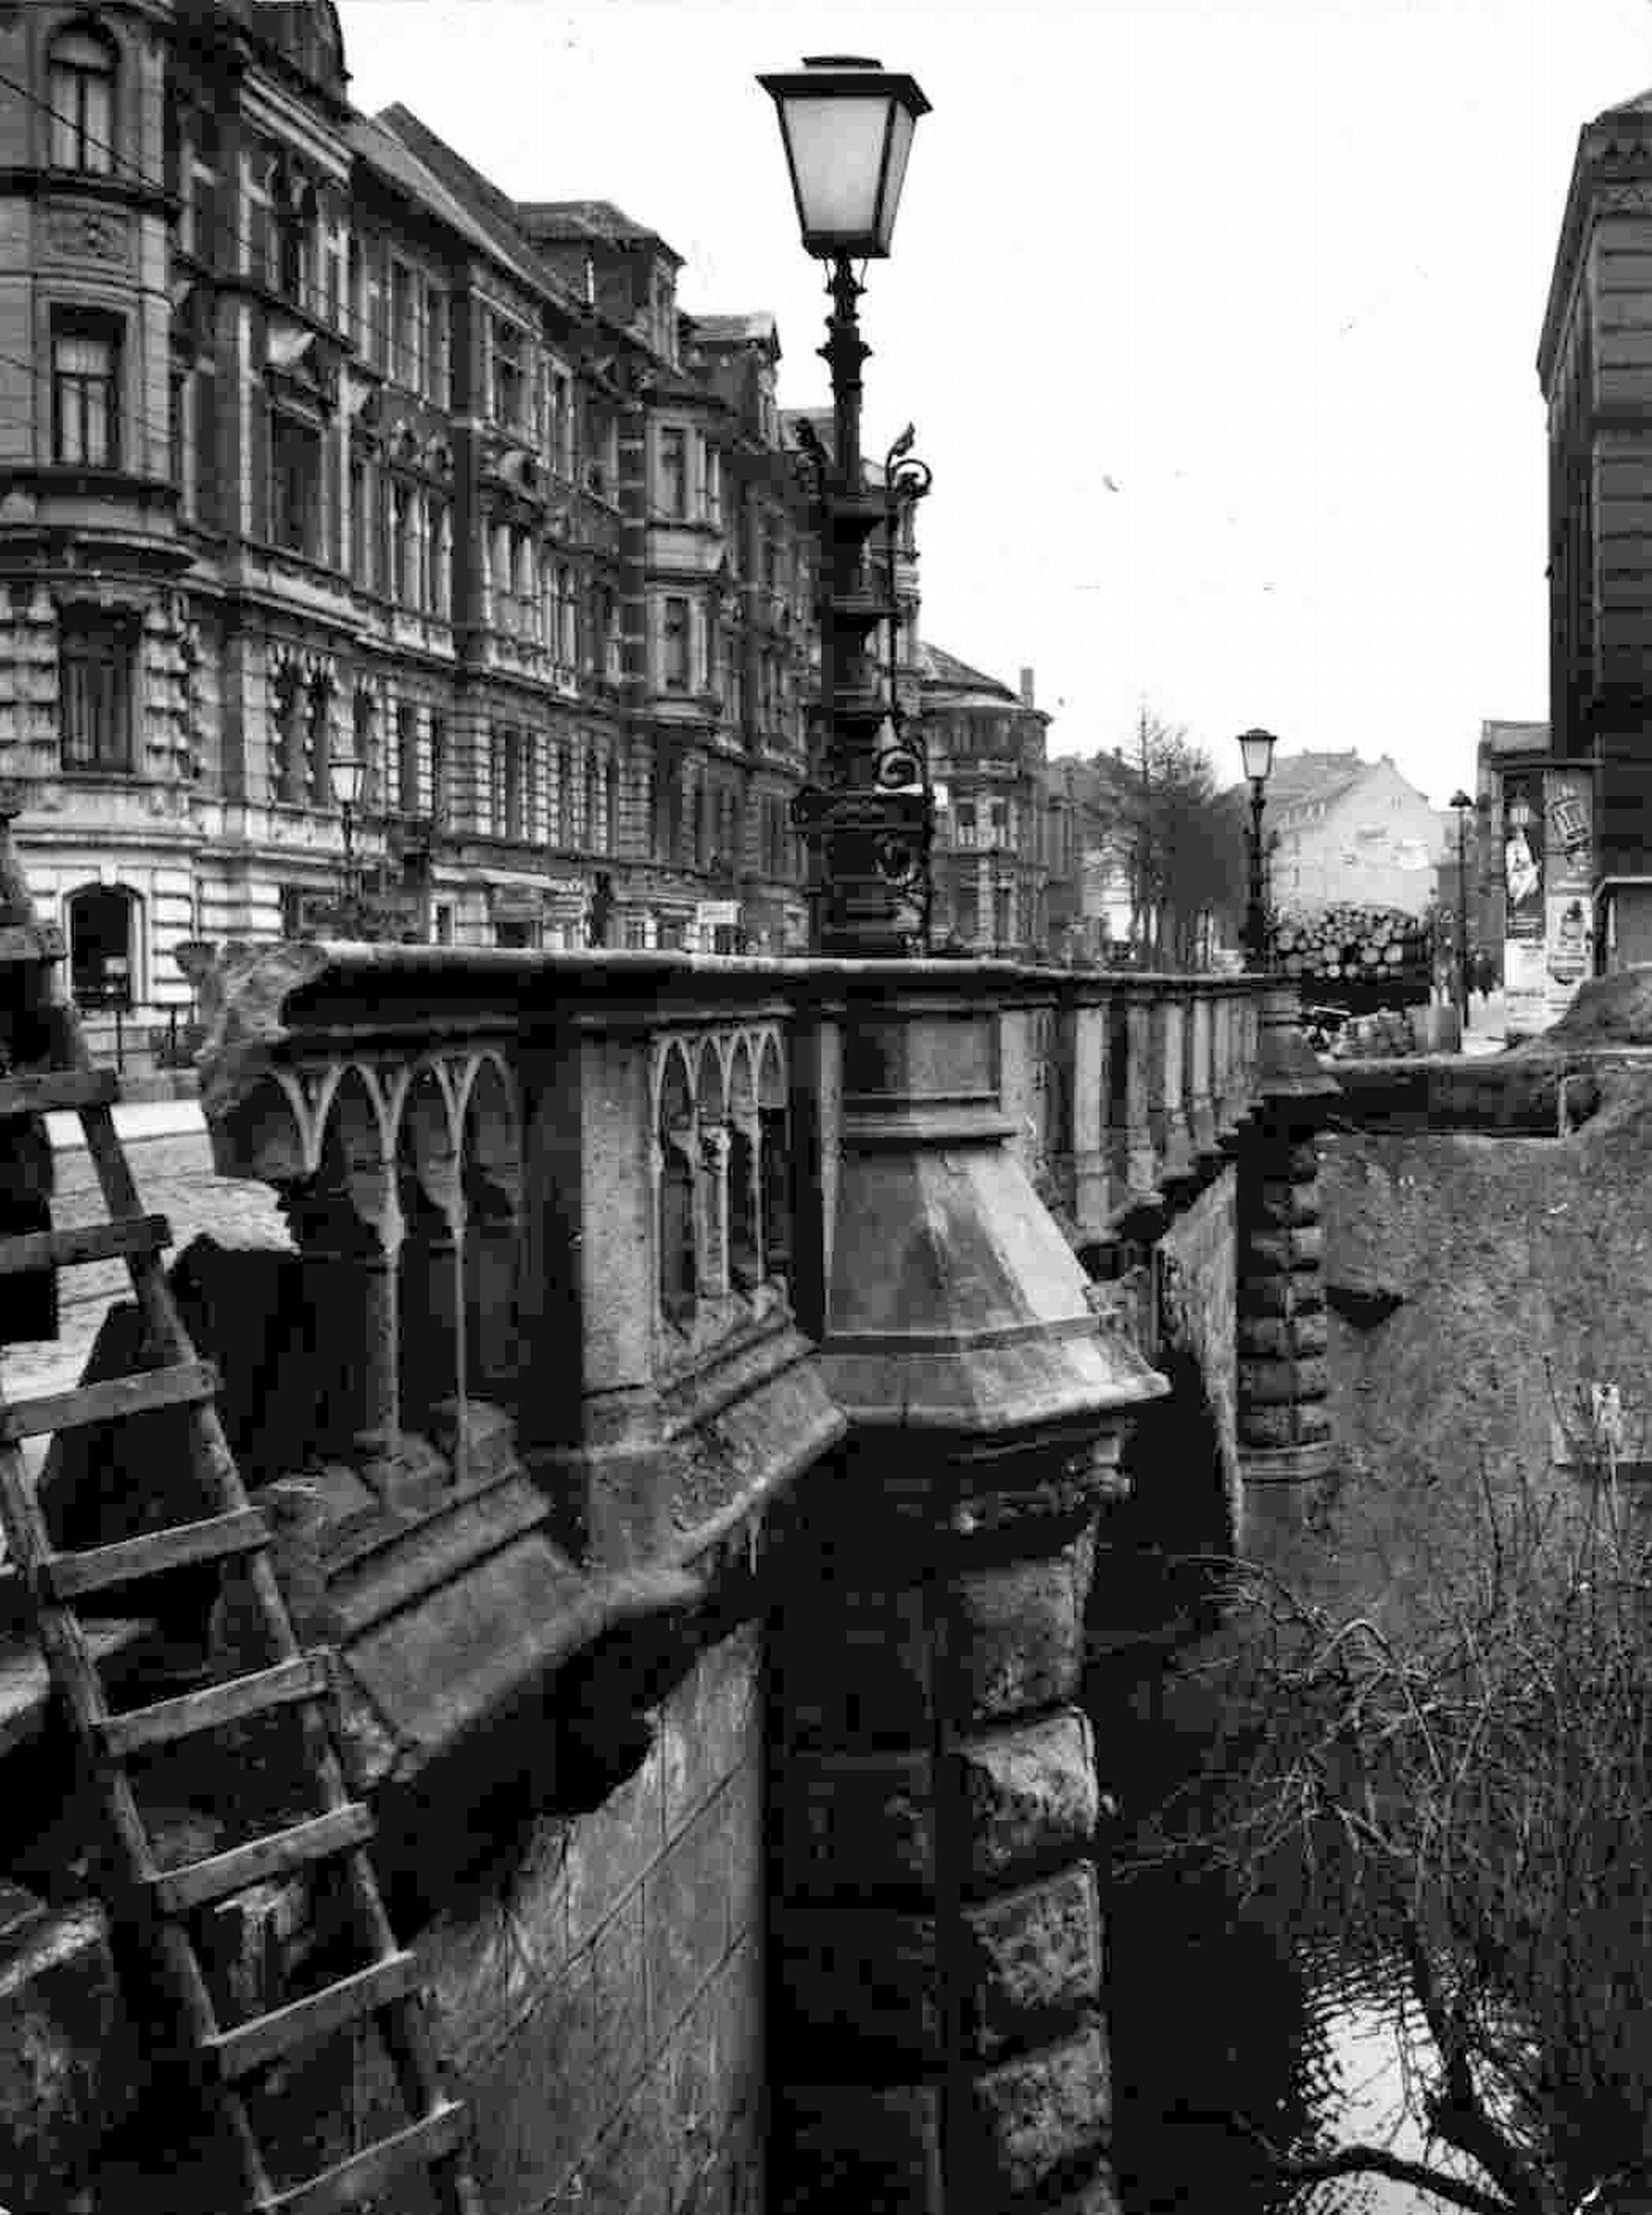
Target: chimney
{"points": [[1026, 689]]}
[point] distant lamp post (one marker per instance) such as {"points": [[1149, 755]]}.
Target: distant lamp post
{"points": [[1256, 752], [1462, 803], [346, 774], [847, 125]]}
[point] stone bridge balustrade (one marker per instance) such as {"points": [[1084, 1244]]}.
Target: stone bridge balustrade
{"points": [[559, 1187]]}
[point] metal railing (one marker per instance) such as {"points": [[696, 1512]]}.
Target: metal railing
{"points": [[142, 1039]]}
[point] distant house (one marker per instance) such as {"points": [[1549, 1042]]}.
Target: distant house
{"points": [[986, 754], [1341, 829], [1090, 811]]}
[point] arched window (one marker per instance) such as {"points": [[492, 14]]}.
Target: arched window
{"points": [[81, 92]]}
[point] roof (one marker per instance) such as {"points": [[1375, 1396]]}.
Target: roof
{"points": [[736, 330], [1319, 777], [936, 666], [588, 219], [410, 153]]}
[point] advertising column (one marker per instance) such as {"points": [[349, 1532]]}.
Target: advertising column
{"points": [[1569, 937], [1525, 929]]}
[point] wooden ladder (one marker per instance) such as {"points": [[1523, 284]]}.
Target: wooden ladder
{"points": [[229, 2060]]}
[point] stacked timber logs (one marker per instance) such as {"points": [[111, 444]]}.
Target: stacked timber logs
{"points": [[1366, 948]]}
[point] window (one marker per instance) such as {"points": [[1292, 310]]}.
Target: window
{"points": [[294, 485], [406, 756], [560, 429], [674, 472], [287, 739], [365, 725], [95, 679], [436, 345], [177, 439], [82, 96], [403, 328], [360, 533], [86, 391], [507, 382], [507, 782], [404, 544], [440, 557], [677, 645], [713, 485], [321, 747], [293, 215], [439, 769]]}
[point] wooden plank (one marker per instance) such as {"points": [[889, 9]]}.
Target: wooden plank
{"points": [[362, 2177], [213, 1705], [216, 1878], [254, 2045], [31, 942], [183, 1383], [87, 1242], [178, 1546], [40, 1091]]}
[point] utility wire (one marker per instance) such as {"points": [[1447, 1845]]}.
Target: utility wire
{"points": [[222, 226]]}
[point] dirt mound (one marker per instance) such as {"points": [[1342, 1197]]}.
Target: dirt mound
{"points": [[1615, 1010]]}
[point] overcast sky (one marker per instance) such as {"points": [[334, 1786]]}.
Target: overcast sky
{"points": [[1217, 318]]}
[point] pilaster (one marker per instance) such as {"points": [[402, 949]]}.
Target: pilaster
{"points": [[1284, 1420]]}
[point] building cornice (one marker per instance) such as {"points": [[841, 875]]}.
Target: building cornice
{"points": [[1615, 149]]}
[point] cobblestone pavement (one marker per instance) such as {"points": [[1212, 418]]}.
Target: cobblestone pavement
{"points": [[175, 1178]]}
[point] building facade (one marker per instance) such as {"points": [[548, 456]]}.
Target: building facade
{"points": [[1594, 364], [1340, 829], [1091, 821], [317, 445], [986, 748]]}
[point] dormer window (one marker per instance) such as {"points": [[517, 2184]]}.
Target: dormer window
{"points": [[81, 81]]}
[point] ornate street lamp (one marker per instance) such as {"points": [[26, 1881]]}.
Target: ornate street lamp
{"points": [[346, 774], [847, 125], [1461, 801], [1256, 752]]}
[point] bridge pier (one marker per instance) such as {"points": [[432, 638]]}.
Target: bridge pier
{"points": [[936, 1962]]}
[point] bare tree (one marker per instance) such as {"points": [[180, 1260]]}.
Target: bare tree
{"points": [[1187, 846], [1472, 1797]]}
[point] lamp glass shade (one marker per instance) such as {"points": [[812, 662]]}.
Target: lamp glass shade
{"points": [[1256, 752], [1460, 798], [847, 125], [346, 773]]}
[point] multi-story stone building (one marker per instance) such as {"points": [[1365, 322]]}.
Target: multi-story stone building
{"points": [[987, 749], [315, 445], [1595, 362]]}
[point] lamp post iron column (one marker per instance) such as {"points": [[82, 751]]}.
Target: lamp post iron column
{"points": [[346, 774], [1256, 752], [847, 125], [1462, 803]]}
